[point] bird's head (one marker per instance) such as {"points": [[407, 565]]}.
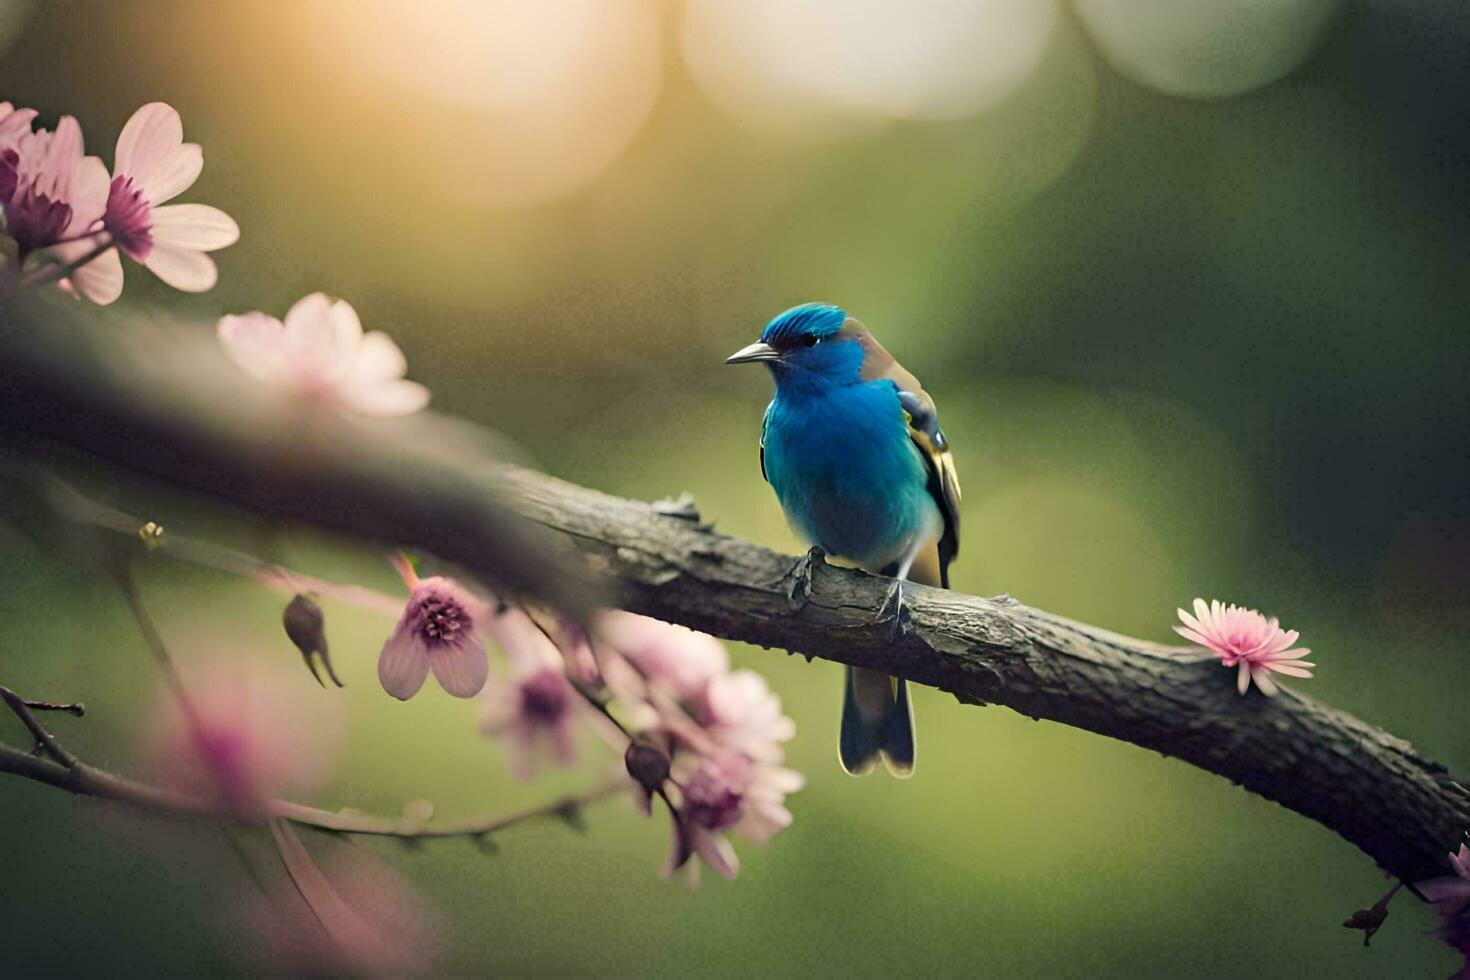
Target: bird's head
{"points": [[810, 343]]}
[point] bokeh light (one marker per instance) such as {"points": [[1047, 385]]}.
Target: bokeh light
{"points": [[1206, 48], [555, 90], [824, 67]]}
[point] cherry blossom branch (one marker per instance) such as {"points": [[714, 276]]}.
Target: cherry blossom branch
{"points": [[172, 415], [61, 769], [407, 827]]}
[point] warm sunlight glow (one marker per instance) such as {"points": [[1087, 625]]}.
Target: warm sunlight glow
{"points": [[820, 66], [555, 91]]}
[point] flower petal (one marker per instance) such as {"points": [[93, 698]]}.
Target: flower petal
{"points": [[183, 269], [88, 195], [1448, 888], [1263, 680], [461, 668], [152, 151], [14, 124], [378, 359], [317, 337], [384, 400], [1193, 636], [1289, 671], [100, 280], [253, 341], [1243, 677], [716, 851], [402, 666], [1460, 861], [193, 226]]}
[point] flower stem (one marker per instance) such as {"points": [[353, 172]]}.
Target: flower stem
{"points": [[57, 271]]}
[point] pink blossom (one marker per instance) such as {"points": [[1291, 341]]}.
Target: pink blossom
{"points": [[1245, 638], [248, 735], [675, 658], [321, 353], [728, 792], [436, 632], [534, 713], [741, 712], [52, 195], [153, 164], [1451, 897], [536, 709]]}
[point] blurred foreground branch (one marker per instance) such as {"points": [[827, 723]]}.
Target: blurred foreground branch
{"points": [[55, 766], [432, 484]]}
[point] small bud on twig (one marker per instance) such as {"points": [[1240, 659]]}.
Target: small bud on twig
{"points": [[306, 628], [647, 764], [1370, 920]]}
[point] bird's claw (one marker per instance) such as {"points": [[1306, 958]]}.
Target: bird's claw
{"points": [[894, 610]]}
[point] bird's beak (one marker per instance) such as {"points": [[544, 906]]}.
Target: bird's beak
{"points": [[755, 352]]}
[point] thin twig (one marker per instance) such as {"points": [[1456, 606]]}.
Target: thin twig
{"points": [[65, 501], [355, 823], [78, 777], [57, 271], [23, 710], [123, 573], [75, 708]]}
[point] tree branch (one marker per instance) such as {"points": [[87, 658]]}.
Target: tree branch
{"points": [[1399, 807], [65, 771]]}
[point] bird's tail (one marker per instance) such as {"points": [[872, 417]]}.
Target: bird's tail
{"points": [[876, 721]]}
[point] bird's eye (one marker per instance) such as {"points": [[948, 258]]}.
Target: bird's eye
{"points": [[811, 340]]}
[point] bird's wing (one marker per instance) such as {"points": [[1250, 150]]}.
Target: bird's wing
{"points": [[765, 423], [923, 418]]}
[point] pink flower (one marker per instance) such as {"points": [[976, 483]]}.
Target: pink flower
{"points": [[1245, 638], [741, 712], [675, 658], [52, 195], [436, 632], [250, 736], [728, 793], [321, 353], [535, 711], [153, 164], [1451, 897]]}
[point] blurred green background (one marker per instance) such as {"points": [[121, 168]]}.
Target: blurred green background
{"points": [[1186, 279]]}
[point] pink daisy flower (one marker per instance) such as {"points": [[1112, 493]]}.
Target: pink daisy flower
{"points": [[722, 794], [1245, 639], [741, 712], [52, 195], [1451, 897], [153, 164], [252, 734], [535, 712], [321, 353], [436, 632], [675, 658]]}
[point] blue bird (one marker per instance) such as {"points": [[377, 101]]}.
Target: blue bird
{"points": [[852, 446]]}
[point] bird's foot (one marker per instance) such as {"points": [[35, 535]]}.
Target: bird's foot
{"points": [[894, 610]]}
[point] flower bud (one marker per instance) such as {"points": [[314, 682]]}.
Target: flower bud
{"points": [[305, 626], [647, 764]]}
